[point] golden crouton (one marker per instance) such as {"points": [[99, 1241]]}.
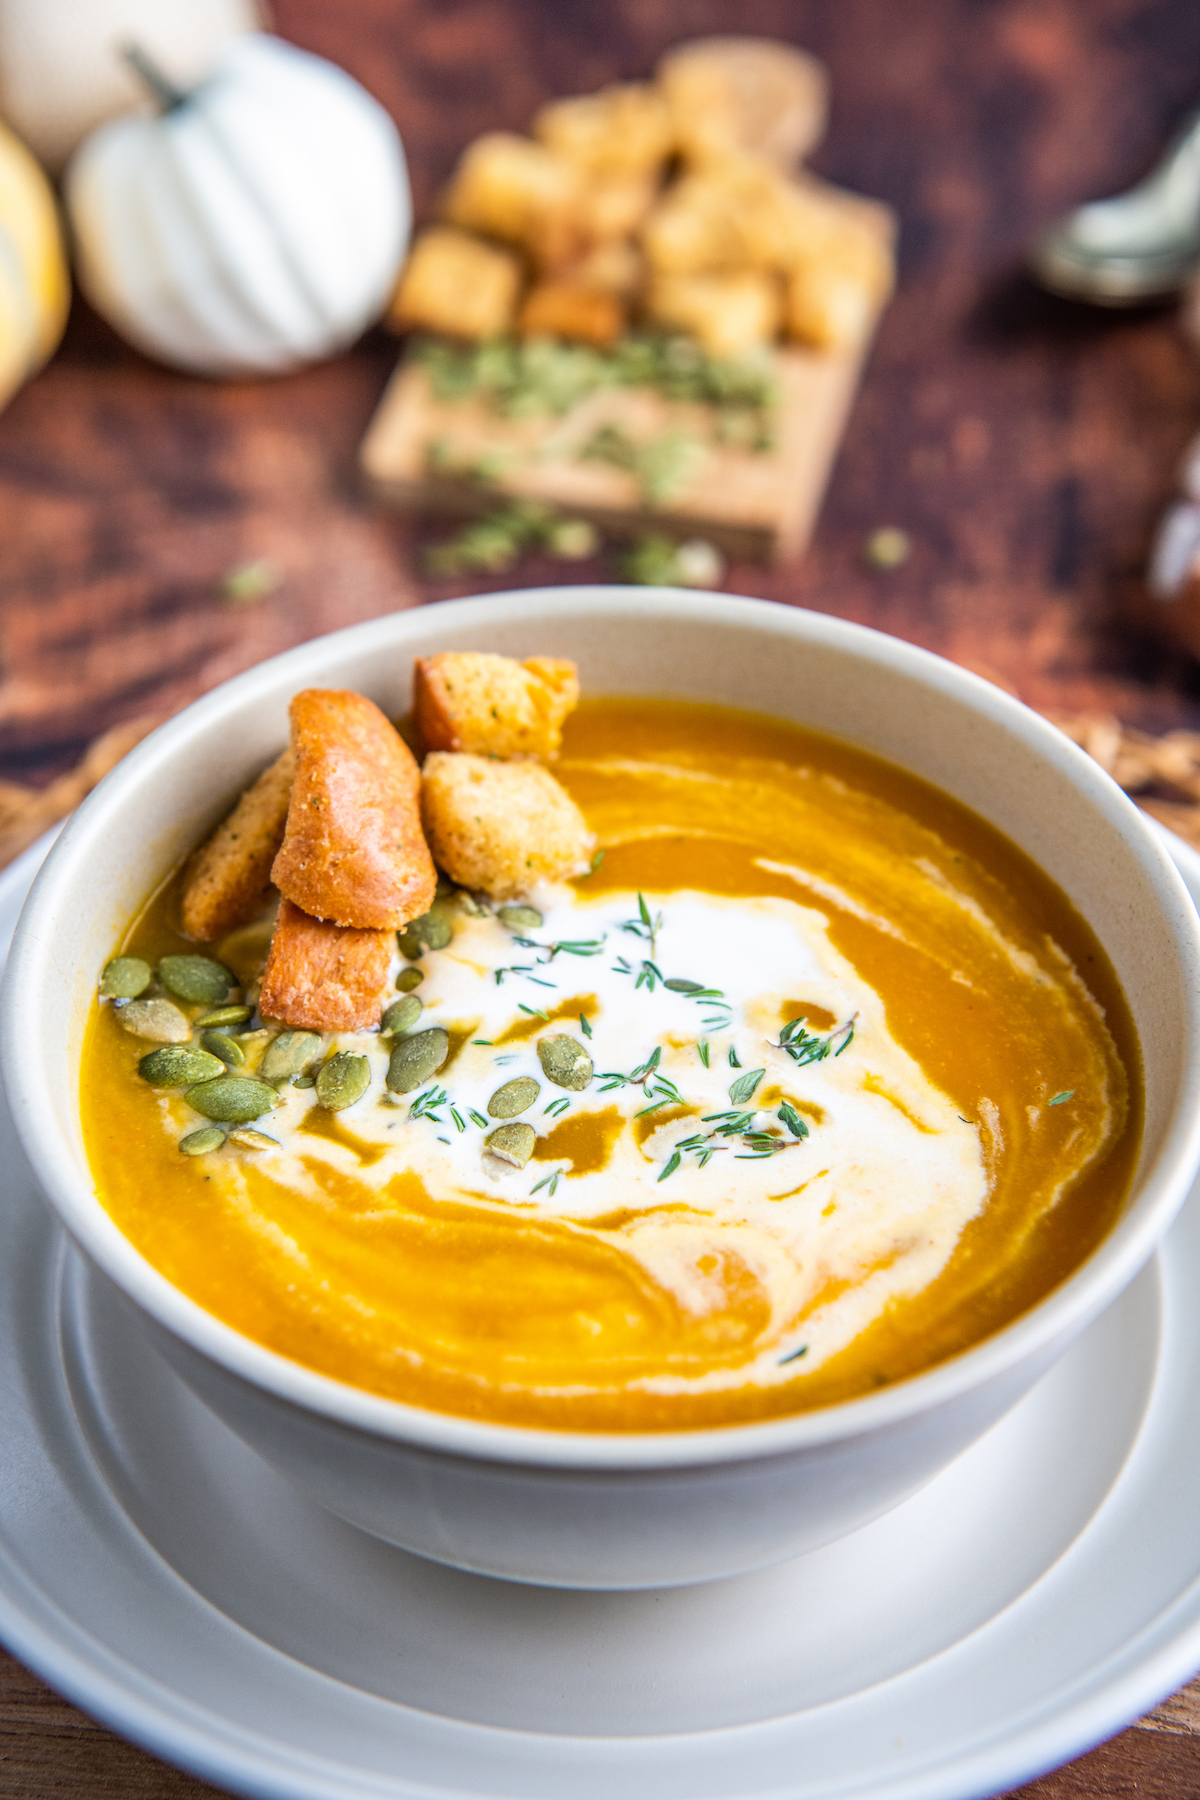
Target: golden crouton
{"points": [[501, 827], [582, 315], [614, 206], [615, 267], [510, 187], [729, 315], [353, 851], [324, 977], [453, 283], [697, 226], [493, 705], [833, 306], [626, 127], [731, 94], [231, 872]]}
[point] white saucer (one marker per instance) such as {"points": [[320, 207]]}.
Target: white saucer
{"points": [[1040, 1594]]}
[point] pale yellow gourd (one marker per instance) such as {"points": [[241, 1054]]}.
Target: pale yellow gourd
{"points": [[35, 289]]}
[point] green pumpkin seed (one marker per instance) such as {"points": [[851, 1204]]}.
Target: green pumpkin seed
{"points": [[564, 1061], [199, 1143], [514, 1097], [513, 1144], [173, 1066], [342, 1080], [414, 1059], [125, 977], [520, 918], [289, 1055], [304, 1081], [195, 978], [233, 1099], [401, 1016], [250, 1139], [224, 1015], [227, 1048], [408, 979], [432, 931], [156, 1019]]}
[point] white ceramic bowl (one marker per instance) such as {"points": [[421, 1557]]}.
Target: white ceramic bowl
{"points": [[593, 1509]]}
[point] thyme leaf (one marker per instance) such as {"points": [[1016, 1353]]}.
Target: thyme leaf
{"points": [[1061, 1099], [792, 1119], [743, 1088]]}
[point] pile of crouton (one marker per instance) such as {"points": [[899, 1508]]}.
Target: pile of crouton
{"points": [[674, 203], [351, 832]]}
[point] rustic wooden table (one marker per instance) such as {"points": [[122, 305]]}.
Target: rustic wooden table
{"points": [[1026, 445]]}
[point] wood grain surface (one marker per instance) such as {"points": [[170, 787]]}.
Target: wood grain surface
{"points": [[1026, 445]]}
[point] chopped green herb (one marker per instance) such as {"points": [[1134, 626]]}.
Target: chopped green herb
{"points": [[557, 1106], [671, 1165], [743, 1088], [806, 1047], [702, 1052], [584, 1026], [1060, 1099], [478, 1119], [793, 1355], [792, 1119]]}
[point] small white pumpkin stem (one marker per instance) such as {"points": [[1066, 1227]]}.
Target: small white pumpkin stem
{"points": [[151, 76]]}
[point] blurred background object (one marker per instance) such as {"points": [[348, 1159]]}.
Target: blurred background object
{"points": [[35, 289], [1137, 246], [60, 75], [257, 222]]}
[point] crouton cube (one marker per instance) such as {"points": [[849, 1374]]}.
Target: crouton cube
{"points": [[493, 705], [324, 977], [626, 127], [453, 283], [695, 227], [830, 307], [353, 851], [613, 267], [501, 828], [512, 188], [729, 315], [614, 206], [231, 872], [581, 315], [727, 95]]}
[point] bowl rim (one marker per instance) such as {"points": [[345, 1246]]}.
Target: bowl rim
{"points": [[1061, 1313]]}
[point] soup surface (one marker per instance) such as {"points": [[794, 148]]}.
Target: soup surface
{"points": [[865, 1089]]}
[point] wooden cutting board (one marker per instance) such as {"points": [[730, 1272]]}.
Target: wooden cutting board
{"points": [[754, 504]]}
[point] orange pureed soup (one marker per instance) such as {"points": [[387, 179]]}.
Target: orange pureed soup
{"points": [[865, 1088]]}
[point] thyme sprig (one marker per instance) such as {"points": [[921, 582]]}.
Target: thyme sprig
{"points": [[644, 926], [567, 947], [737, 1123], [424, 1104], [551, 1180], [804, 1046], [711, 997], [648, 1076]]}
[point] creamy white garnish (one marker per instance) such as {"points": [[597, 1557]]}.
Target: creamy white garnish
{"points": [[864, 1210]]}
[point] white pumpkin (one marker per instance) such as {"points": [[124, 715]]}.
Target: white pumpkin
{"points": [[258, 224], [61, 73]]}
